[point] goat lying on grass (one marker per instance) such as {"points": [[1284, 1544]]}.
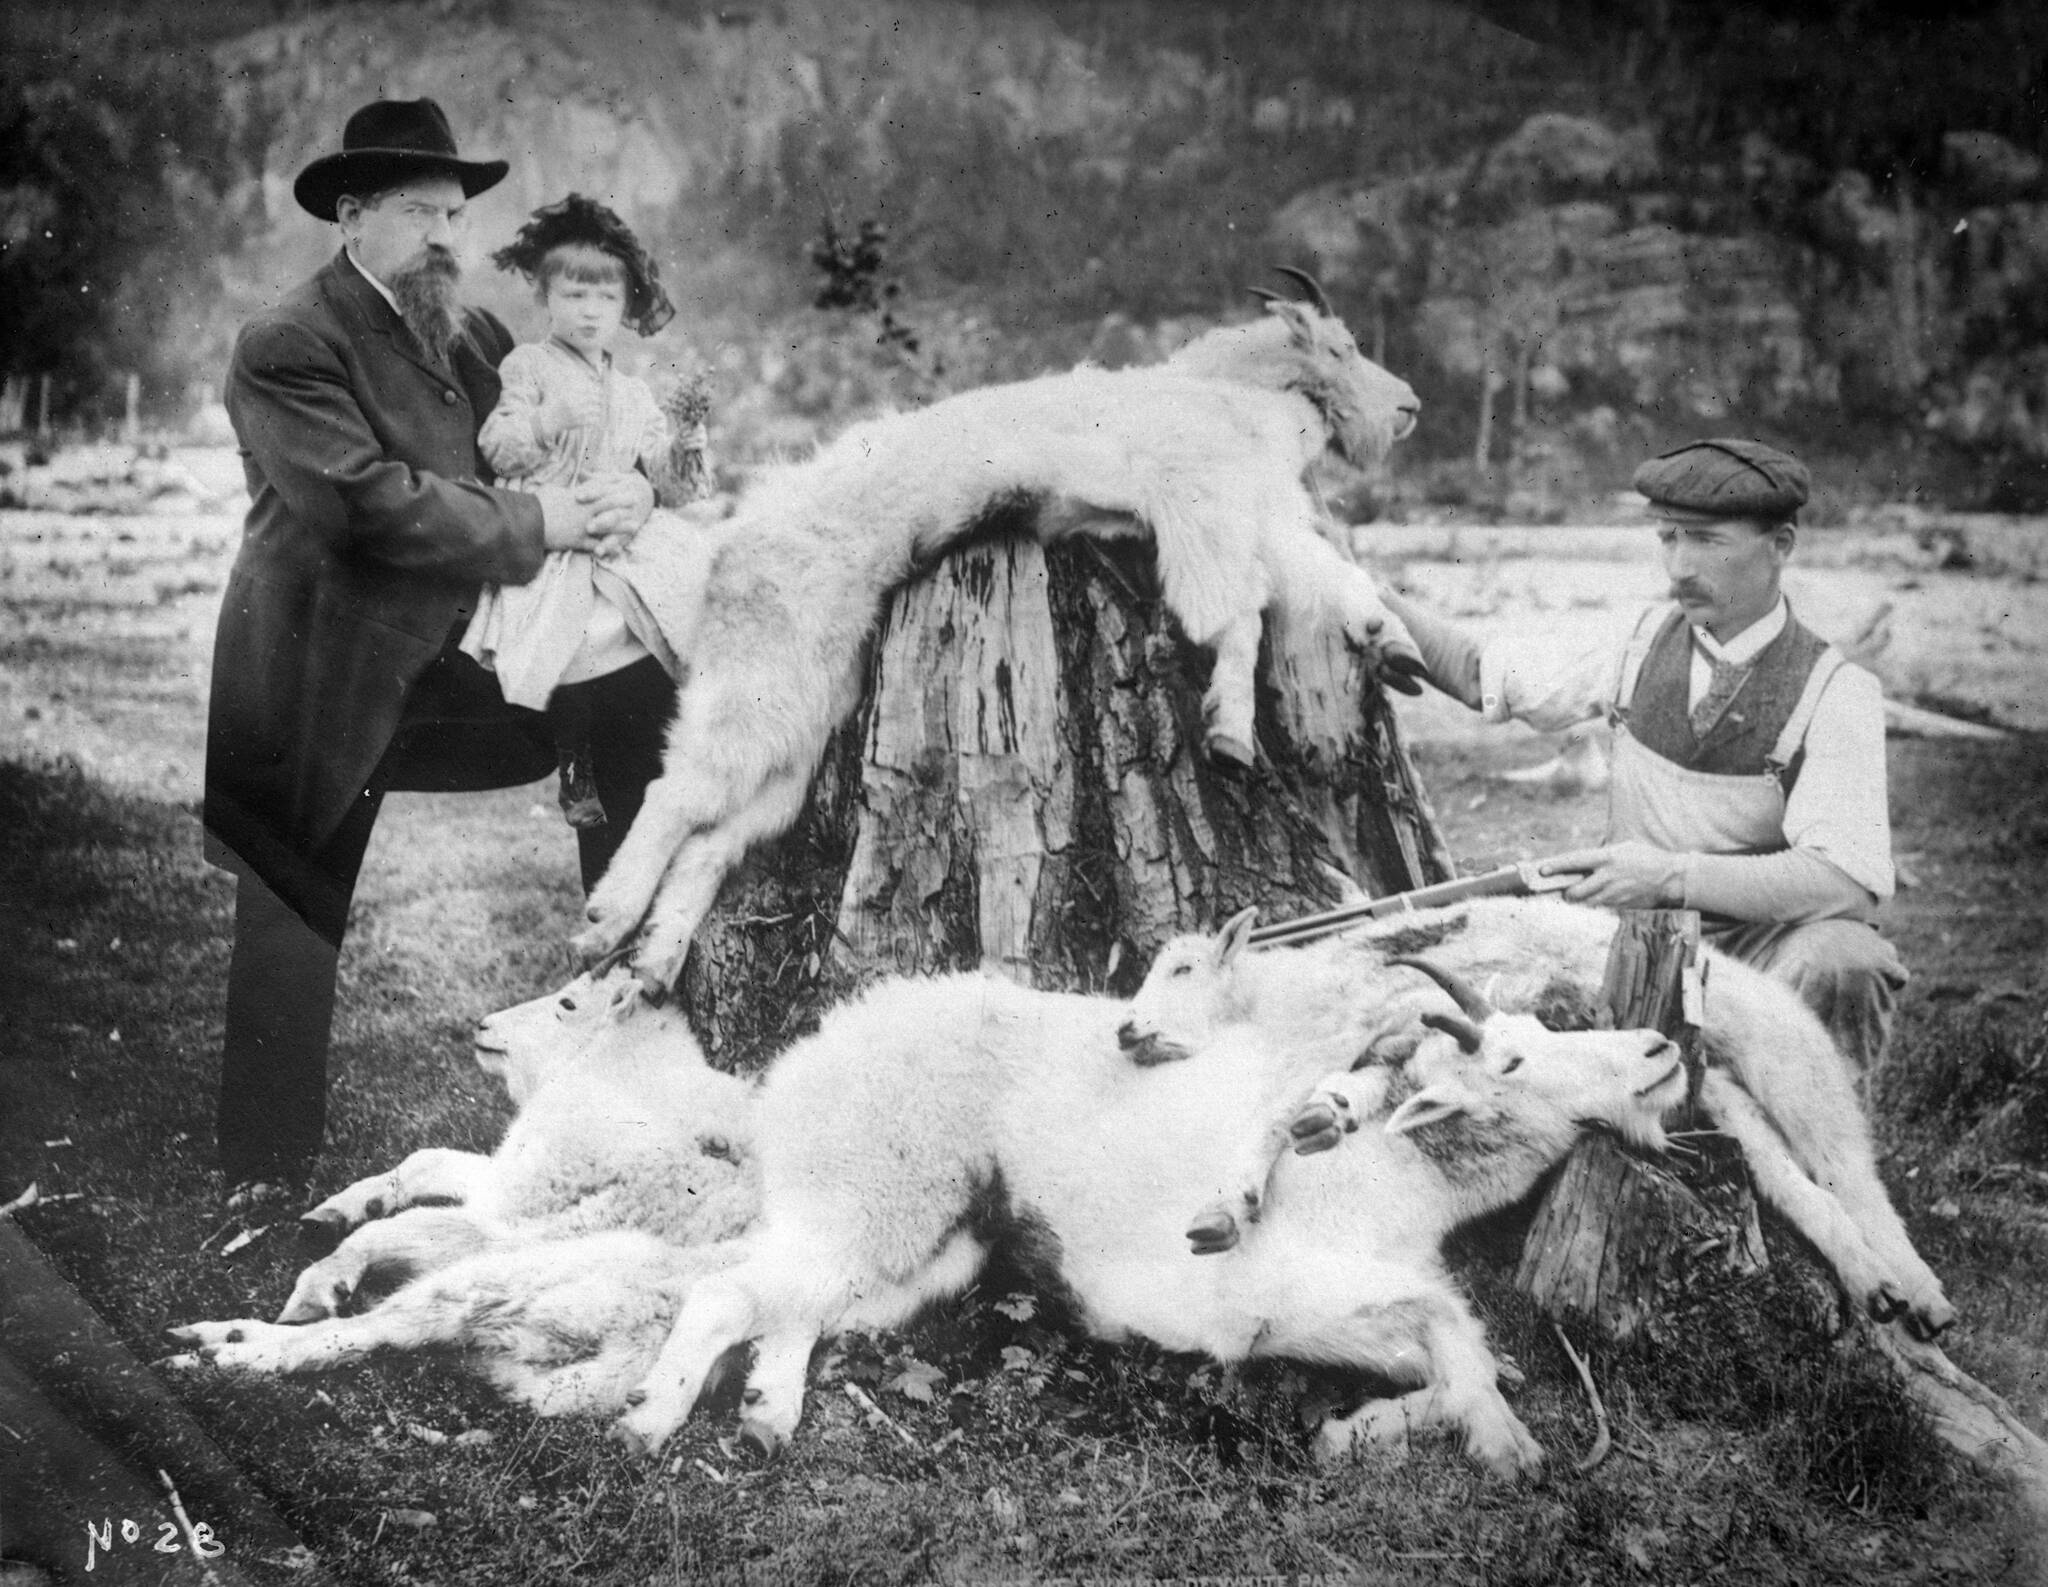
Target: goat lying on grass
{"points": [[564, 1256], [564, 1325], [927, 1118], [901, 1134], [1205, 453], [1774, 1079]]}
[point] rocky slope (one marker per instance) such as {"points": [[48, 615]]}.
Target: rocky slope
{"points": [[1066, 180]]}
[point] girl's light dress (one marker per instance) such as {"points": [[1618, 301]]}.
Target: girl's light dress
{"points": [[577, 619]]}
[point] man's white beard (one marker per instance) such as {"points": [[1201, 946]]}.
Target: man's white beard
{"points": [[425, 290]]}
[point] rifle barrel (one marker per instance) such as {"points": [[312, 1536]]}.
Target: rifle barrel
{"points": [[1508, 881]]}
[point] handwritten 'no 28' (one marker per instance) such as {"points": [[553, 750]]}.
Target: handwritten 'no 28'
{"points": [[100, 1540]]}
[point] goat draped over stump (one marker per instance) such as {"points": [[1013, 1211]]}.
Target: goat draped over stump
{"points": [[1046, 759]]}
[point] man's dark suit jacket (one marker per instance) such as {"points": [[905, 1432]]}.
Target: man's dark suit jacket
{"points": [[369, 533]]}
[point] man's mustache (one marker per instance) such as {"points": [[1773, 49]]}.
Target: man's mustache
{"points": [[1690, 592], [432, 260]]}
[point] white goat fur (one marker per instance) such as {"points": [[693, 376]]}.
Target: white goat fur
{"points": [[882, 1138], [562, 1261], [907, 1109], [1205, 453], [1774, 1079]]}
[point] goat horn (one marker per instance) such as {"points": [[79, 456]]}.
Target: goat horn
{"points": [[1263, 295], [1470, 1037], [1311, 286], [1463, 993]]}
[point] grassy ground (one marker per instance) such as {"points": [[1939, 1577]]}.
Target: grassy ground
{"points": [[1750, 1450]]}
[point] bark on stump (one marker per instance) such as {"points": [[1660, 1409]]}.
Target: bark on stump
{"points": [[1024, 786], [1614, 1229]]}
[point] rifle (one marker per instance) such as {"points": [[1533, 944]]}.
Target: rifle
{"points": [[1510, 881]]}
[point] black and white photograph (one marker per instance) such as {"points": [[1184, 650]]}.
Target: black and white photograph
{"points": [[1028, 792]]}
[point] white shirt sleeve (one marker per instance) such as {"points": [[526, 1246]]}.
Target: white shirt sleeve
{"points": [[1837, 809], [509, 437], [1791, 885], [1549, 685]]}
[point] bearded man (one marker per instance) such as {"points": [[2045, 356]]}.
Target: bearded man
{"points": [[337, 676], [1749, 772]]}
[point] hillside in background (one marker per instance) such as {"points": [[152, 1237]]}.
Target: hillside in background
{"points": [[1579, 233]]}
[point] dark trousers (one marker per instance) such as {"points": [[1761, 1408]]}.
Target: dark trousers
{"points": [[281, 976]]}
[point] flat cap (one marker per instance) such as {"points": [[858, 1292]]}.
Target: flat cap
{"points": [[1727, 478]]}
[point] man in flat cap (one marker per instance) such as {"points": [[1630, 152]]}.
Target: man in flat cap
{"points": [[373, 523], [1749, 777]]}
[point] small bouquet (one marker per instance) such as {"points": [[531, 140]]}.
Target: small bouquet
{"points": [[687, 474]]}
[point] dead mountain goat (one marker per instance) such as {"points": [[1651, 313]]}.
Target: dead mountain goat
{"points": [[895, 1123], [927, 1118], [1204, 453], [561, 1261], [1774, 1079]]}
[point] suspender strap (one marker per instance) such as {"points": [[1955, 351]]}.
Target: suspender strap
{"points": [[1794, 734], [1647, 628]]}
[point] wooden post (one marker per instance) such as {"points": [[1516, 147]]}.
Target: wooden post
{"points": [[43, 407], [1613, 1227], [131, 413]]}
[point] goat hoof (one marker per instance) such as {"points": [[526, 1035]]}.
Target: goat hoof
{"points": [[1315, 1129], [1213, 1234], [763, 1442], [1928, 1323], [635, 1397], [1403, 672], [1227, 751], [1516, 1457], [1885, 1303], [631, 1439]]}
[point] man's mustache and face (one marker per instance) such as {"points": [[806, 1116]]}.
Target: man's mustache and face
{"points": [[1724, 572], [407, 238]]}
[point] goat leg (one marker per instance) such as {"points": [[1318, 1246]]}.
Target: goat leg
{"points": [[435, 1174], [1323, 1119]]}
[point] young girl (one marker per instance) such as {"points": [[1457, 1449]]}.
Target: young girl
{"points": [[565, 415]]}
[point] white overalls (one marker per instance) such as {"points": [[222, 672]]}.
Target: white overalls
{"points": [[1843, 969]]}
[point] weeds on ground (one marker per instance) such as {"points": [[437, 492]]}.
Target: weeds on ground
{"points": [[989, 1440]]}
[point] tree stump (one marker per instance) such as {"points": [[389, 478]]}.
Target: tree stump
{"points": [[1023, 786], [1613, 1228]]}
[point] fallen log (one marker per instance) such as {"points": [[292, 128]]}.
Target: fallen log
{"points": [[1912, 721]]}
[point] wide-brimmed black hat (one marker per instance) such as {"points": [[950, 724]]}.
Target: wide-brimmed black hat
{"points": [[388, 142], [580, 221]]}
